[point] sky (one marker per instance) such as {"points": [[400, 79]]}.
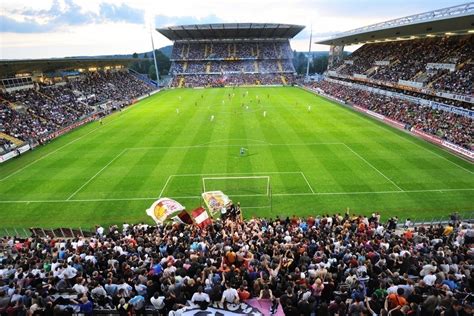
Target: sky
{"points": [[58, 28]]}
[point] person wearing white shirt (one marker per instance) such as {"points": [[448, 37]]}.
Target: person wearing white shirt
{"points": [[430, 279], [202, 299], [68, 273], [79, 288], [126, 288], [229, 295]]}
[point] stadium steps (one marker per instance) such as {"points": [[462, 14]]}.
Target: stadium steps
{"points": [[187, 52], [280, 67], [185, 66], [14, 140], [181, 82], [208, 67], [256, 66], [205, 51], [283, 80], [11, 105]]}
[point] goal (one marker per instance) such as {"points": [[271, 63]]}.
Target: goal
{"points": [[253, 192]]}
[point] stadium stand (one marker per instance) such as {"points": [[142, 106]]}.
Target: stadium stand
{"points": [[369, 267], [416, 60], [422, 79], [231, 54], [455, 128], [33, 111]]}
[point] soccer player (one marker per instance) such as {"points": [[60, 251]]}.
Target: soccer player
{"points": [[212, 118], [264, 113], [177, 111], [309, 108]]}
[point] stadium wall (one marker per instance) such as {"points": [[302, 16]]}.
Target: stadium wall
{"points": [[443, 144]]}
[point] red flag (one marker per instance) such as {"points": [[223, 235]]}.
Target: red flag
{"points": [[201, 218], [184, 218]]}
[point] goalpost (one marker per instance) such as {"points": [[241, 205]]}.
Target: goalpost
{"points": [[253, 192]]}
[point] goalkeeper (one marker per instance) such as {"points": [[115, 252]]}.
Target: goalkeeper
{"points": [[242, 151]]}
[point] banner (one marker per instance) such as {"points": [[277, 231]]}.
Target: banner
{"points": [[163, 208], [201, 218], [215, 200], [256, 307]]}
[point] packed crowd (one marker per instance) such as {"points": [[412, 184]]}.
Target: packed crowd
{"points": [[452, 127], [233, 80], [47, 108], [232, 50], [408, 60], [459, 81], [5, 145], [324, 265], [99, 87], [234, 66], [206, 64], [23, 125]]}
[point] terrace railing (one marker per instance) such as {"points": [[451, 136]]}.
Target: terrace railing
{"points": [[21, 232]]}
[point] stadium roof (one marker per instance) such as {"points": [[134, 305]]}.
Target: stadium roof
{"points": [[230, 31], [455, 20], [12, 67]]}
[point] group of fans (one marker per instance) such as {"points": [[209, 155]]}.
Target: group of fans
{"points": [[408, 60], [216, 64], [231, 50], [455, 128], [34, 113], [324, 265], [204, 80]]}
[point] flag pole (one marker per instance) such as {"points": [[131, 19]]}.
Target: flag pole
{"points": [[154, 56], [309, 52]]}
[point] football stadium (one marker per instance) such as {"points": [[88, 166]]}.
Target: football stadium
{"points": [[228, 178]]}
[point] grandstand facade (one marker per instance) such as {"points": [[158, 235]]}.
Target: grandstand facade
{"points": [[43, 99], [416, 72], [231, 54]]}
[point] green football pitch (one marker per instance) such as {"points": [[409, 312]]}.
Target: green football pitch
{"points": [[297, 161]]}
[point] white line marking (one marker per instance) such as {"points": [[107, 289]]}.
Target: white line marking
{"points": [[436, 154], [307, 182], [42, 157], [275, 194], [164, 186], [93, 177], [232, 173], [386, 127], [373, 167]]}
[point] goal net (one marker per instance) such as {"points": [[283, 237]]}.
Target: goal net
{"points": [[253, 192]]}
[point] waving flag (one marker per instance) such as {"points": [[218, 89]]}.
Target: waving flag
{"points": [[164, 208], [215, 200], [201, 218], [183, 218]]}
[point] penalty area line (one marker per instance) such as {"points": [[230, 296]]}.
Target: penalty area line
{"points": [[94, 176]]}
